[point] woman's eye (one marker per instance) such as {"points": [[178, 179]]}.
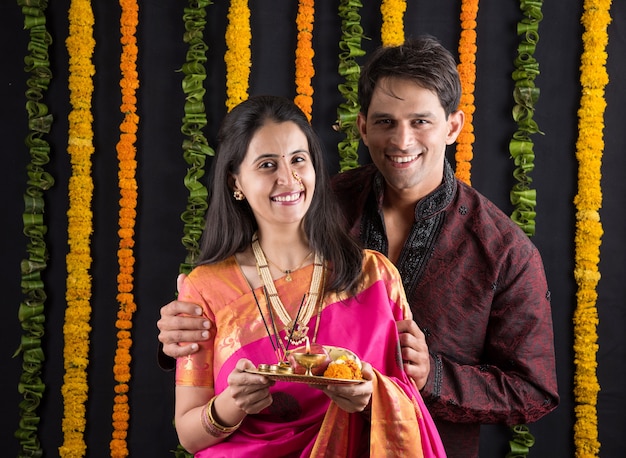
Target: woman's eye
{"points": [[265, 165]]}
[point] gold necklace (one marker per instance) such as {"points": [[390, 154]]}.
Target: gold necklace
{"points": [[297, 330], [287, 272]]}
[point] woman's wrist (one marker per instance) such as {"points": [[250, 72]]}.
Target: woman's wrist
{"points": [[367, 411], [212, 423]]}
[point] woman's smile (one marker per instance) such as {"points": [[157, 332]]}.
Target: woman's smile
{"points": [[287, 198]]}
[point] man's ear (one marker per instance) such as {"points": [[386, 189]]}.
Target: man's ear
{"points": [[361, 123], [455, 125]]}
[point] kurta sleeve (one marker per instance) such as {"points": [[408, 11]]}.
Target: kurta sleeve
{"points": [[515, 380]]}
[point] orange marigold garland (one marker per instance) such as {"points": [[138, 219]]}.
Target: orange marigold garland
{"points": [[392, 28], [304, 57], [31, 309], [80, 45], [467, 72], [126, 154], [237, 56], [589, 148]]}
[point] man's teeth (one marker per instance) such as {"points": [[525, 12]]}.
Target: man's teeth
{"points": [[402, 159]]}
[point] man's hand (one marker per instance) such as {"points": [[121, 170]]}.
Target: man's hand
{"points": [[182, 322], [414, 352]]}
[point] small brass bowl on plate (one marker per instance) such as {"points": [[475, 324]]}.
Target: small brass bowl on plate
{"points": [[309, 360], [280, 368]]}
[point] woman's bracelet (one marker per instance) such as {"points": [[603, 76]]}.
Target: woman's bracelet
{"points": [[213, 427]]}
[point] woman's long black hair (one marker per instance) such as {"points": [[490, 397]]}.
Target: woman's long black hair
{"points": [[230, 224]]}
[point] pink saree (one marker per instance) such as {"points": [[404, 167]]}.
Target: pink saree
{"points": [[302, 422]]}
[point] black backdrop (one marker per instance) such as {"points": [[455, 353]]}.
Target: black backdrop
{"points": [[163, 196]]}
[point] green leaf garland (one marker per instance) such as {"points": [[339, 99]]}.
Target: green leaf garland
{"points": [[31, 310], [525, 96], [521, 442], [522, 196], [195, 145], [347, 112]]}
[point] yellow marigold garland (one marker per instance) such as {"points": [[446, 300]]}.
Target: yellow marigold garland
{"points": [[304, 57], [237, 56], [589, 148], [31, 309], [392, 28], [80, 45], [467, 73], [126, 154]]}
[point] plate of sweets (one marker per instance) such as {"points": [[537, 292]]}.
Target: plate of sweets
{"points": [[315, 364]]}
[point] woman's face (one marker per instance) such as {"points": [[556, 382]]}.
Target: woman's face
{"points": [[277, 175]]}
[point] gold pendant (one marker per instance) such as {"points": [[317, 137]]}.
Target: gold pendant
{"points": [[297, 334], [288, 277]]}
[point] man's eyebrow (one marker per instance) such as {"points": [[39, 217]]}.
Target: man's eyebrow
{"points": [[383, 115]]}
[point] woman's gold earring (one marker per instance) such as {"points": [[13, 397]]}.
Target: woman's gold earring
{"points": [[238, 194]]}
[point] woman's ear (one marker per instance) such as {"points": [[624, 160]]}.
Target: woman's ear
{"points": [[232, 182]]}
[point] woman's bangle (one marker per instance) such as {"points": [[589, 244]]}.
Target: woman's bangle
{"points": [[211, 426]]}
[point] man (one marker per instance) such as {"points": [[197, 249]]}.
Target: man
{"points": [[484, 350]]}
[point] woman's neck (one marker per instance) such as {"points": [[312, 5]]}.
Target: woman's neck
{"points": [[287, 250]]}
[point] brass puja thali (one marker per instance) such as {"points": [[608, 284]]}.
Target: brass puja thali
{"points": [[303, 365]]}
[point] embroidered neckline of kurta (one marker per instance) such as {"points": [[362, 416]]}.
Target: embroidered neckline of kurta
{"points": [[429, 217]]}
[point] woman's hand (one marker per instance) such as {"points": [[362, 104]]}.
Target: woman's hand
{"points": [[352, 397], [250, 392]]}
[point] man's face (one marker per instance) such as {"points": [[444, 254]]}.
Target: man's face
{"points": [[406, 132]]}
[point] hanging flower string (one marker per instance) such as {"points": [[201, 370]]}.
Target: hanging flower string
{"points": [[237, 56], [349, 69], [126, 154], [195, 145], [589, 148], [525, 95], [522, 197], [80, 45], [467, 72], [392, 28], [304, 57], [31, 310]]}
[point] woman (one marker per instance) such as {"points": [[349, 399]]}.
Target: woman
{"points": [[277, 269]]}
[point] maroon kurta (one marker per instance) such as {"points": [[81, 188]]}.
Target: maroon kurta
{"points": [[477, 288]]}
